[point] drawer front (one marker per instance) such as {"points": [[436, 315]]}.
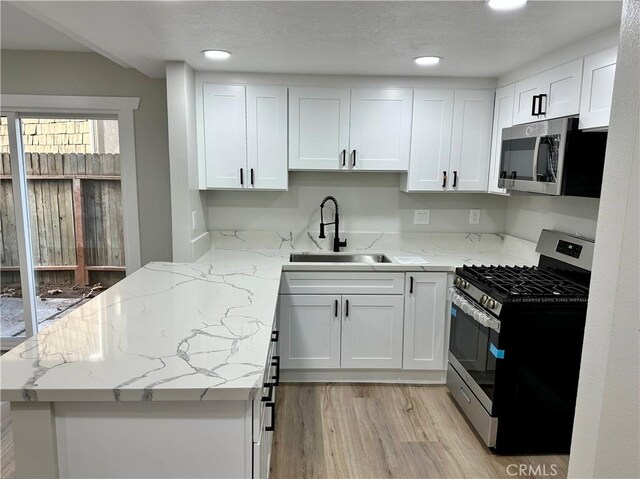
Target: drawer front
{"points": [[342, 283], [484, 424], [271, 376]]}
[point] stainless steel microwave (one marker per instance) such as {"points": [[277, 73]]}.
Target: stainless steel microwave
{"points": [[552, 157]]}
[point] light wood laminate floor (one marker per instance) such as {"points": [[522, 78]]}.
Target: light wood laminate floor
{"points": [[370, 431]]}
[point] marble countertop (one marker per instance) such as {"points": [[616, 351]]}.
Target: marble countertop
{"points": [[202, 331]]}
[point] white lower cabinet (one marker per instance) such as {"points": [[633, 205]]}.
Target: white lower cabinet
{"points": [[310, 331], [402, 329], [425, 321], [372, 331]]}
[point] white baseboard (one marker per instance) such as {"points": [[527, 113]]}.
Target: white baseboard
{"points": [[363, 376], [200, 245]]}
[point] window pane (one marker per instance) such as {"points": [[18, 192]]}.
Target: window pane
{"points": [[73, 176], [11, 309]]}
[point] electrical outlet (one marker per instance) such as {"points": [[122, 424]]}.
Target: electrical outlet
{"points": [[193, 220], [474, 217], [421, 217]]}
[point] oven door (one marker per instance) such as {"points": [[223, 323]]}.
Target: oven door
{"points": [[473, 346], [532, 157]]}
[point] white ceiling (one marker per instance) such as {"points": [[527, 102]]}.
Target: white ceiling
{"points": [[21, 31], [367, 38]]}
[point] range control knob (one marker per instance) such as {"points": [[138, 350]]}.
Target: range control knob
{"points": [[456, 281], [464, 284], [483, 299], [491, 304]]}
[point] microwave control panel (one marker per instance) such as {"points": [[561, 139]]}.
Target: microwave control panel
{"points": [[570, 249]]}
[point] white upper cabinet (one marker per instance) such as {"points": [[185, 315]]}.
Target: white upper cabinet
{"points": [[225, 135], [267, 137], [597, 89], [550, 94], [471, 140], [502, 118], [430, 139], [318, 128], [242, 133], [425, 321], [450, 141], [380, 134]]}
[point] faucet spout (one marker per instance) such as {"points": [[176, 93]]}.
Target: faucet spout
{"points": [[337, 244]]}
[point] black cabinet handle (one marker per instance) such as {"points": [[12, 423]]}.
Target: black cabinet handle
{"points": [[514, 175], [275, 361], [503, 174], [354, 158], [533, 105], [269, 397], [275, 336], [272, 427], [335, 309], [455, 178], [540, 97], [346, 308], [444, 179], [251, 176], [410, 284], [344, 157], [242, 176]]}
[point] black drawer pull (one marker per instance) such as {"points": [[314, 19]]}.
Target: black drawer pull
{"points": [[444, 179], [242, 176], [275, 361], [410, 284], [275, 335], [346, 308], [354, 158], [335, 309], [272, 427], [344, 157], [270, 396], [252, 182], [455, 178]]}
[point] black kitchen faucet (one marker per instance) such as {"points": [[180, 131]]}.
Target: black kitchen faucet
{"points": [[337, 244]]}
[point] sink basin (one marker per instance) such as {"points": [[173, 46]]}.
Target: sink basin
{"points": [[338, 258]]}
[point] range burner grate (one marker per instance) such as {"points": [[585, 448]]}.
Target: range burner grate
{"points": [[524, 282]]}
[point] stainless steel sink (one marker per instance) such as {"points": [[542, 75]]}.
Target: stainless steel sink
{"points": [[338, 258]]}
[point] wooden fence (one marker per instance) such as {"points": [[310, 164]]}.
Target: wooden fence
{"points": [[75, 210]]}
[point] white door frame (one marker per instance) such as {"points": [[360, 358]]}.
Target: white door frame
{"points": [[13, 106]]}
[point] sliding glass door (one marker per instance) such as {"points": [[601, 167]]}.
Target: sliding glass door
{"points": [[70, 208]]}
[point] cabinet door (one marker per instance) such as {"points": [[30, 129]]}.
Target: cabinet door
{"points": [[430, 140], [502, 118], [267, 137], [425, 321], [372, 331], [597, 89], [471, 140], [562, 86], [525, 90], [310, 331], [380, 137], [225, 135], [318, 128]]}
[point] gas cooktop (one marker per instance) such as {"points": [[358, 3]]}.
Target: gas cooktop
{"points": [[522, 283]]}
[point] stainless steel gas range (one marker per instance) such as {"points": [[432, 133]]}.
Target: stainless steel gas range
{"points": [[516, 343]]}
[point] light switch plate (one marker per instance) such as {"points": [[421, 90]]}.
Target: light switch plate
{"points": [[421, 217], [474, 217]]}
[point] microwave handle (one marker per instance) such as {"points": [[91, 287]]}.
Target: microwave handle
{"points": [[536, 150]]}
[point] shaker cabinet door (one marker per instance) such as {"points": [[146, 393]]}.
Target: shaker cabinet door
{"points": [[425, 321], [310, 331], [225, 136], [380, 137], [319, 128], [597, 89]]}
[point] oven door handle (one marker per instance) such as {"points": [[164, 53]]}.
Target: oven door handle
{"points": [[474, 311]]}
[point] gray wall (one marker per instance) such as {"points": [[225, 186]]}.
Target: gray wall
{"points": [[369, 202], [63, 73], [527, 215]]}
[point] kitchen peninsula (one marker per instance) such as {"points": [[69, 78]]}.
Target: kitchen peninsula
{"points": [[179, 358]]}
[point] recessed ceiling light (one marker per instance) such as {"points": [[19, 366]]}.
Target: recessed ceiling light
{"points": [[427, 61], [506, 4], [216, 54]]}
